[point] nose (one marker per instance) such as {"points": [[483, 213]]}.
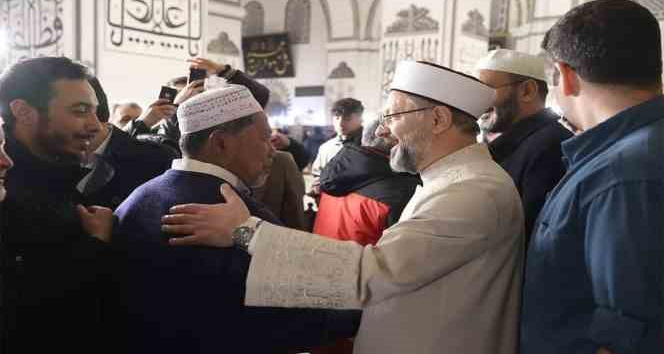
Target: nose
{"points": [[6, 162], [92, 123]]}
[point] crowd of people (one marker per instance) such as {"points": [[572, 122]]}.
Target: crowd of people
{"points": [[468, 218]]}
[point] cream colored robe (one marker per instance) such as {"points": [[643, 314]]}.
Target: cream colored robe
{"points": [[445, 279]]}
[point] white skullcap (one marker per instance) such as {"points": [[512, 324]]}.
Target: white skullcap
{"points": [[443, 85], [513, 62], [215, 107]]}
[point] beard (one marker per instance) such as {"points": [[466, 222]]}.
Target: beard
{"points": [[406, 154], [54, 143], [504, 115]]}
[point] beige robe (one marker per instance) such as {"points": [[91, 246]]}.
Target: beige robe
{"points": [[445, 279]]}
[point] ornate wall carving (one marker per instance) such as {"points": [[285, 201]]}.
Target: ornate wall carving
{"points": [[298, 20], [34, 28], [474, 25], [412, 20], [423, 47], [167, 28], [342, 71], [223, 45], [254, 21]]}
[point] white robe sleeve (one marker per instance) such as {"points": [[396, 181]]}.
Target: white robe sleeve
{"points": [[290, 268]]}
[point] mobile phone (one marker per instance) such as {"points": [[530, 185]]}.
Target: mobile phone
{"points": [[168, 93], [196, 74]]}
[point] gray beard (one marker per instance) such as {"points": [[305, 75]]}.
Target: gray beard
{"points": [[403, 159]]}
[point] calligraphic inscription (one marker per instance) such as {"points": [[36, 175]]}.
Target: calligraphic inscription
{"points": [[33, 28], [268, 56], [167, 28]]}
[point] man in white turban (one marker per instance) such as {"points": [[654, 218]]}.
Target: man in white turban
{"points": [[445, 279], [174, 295], [528, 147]]}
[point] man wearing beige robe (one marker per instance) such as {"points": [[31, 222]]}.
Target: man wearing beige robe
{"points": [[445, 279]]}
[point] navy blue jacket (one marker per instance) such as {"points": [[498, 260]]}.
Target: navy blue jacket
{"points": [[190, 299], [595, 266]]}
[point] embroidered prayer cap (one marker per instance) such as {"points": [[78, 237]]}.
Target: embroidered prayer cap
{"points": [[513, 62], [443, 85], [215, 107]]}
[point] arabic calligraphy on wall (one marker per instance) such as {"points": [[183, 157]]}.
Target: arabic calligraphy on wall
{"points": [[166, 28], [35, 28], [268, 56]]}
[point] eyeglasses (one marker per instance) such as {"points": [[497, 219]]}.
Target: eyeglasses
{"points": [[385, 119]]}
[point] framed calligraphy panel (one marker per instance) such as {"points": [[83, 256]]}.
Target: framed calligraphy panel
{"points": [[268, 56], [36, 28], [165, 28]]}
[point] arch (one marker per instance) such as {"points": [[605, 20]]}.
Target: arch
{"points": [[298, 20], [372, 17], [254, 22], [355, 8]]}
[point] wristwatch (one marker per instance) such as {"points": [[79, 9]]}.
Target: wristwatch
{"points": [[243, 234]]}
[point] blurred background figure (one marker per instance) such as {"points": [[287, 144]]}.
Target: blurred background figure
{"points": [[347, 119], [125, 112]]}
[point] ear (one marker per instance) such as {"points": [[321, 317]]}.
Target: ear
{"points": [[442, 119], [24, 113], [528, 91], [218, 141], [569, 80]]}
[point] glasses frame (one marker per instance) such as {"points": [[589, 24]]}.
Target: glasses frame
{"points": [[385, 119]]}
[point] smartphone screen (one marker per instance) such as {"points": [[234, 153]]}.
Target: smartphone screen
{"points": [[197, 74], [168, 93]]}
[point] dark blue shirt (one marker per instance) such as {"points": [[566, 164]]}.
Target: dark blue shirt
{"points": [[595, 269]]}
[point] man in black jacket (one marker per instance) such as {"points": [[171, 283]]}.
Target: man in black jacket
{"points": [[119, 163], [529, 145], [360, 194], [56, 259]]}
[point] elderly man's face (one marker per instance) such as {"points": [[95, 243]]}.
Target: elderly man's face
{"points": [[254, 155], [412, 136]]}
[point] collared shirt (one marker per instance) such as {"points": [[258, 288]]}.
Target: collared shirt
{"points": [[101, 149], [595, 266], [192, 165]]}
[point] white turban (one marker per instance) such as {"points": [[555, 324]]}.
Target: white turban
{"points": [[513, 62], [443, 85], [215, 107]]}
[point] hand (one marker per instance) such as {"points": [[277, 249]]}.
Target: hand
{"points": [[206, 224], [212, 67], [603, 350], [97, 221], [192, 89], [279, 141], [158, 110]]}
